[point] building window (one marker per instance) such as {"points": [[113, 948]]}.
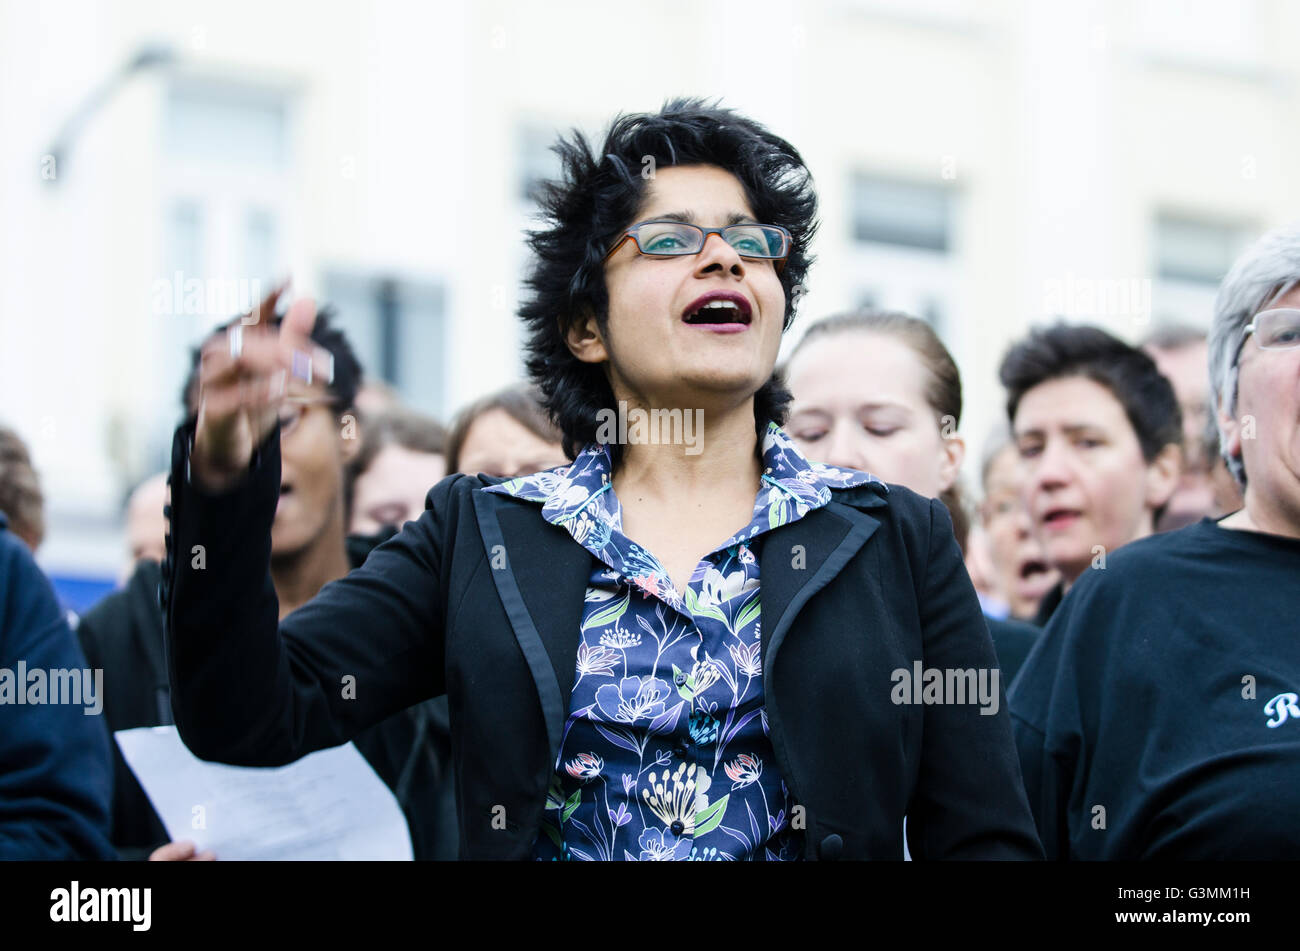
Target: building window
{"points": [[902, 247], [397, 329], [1200, 34], [224, 174], [1194, 250], [901, 213], [535, 161], [1191, 257]]}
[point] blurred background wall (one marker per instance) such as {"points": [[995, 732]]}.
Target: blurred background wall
{"points": [[986, 164]]}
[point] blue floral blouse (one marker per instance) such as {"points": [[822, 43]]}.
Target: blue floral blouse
{"points": [[665, 753]]}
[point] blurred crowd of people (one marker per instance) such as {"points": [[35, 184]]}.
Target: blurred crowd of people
{"points": [[357, 465], [1104, 445]]}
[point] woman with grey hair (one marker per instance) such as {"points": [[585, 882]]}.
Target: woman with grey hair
{"points": [[1170, 725]]}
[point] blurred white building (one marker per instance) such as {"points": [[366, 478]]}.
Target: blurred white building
{"points": [[983, 164]]}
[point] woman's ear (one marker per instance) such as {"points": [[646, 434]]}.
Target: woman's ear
{"points": [[584, 339], [954, 453], [1163, 473], [349, 436], [1230, 427]]}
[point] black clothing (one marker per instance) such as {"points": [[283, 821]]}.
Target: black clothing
{"points": [[123, 634], [1047, 607], [481, 598], [1012, 640], [359, 546], [55, 772], [1165, 692]]}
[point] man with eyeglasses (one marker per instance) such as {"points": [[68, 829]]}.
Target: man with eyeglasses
{"points": [[1159, 716], [319, 435]]}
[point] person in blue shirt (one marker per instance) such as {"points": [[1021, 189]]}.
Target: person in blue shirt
{"points": [[55, 770]]}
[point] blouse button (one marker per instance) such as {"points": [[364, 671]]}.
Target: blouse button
{"points": [[679, 679], [678, 827]]}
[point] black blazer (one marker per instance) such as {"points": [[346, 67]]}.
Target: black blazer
{"points": [[482, 599]]}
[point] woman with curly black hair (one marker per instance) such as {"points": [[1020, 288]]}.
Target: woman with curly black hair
{"points": [[690, 642]]}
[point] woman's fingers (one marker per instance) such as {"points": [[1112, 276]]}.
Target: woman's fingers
{"points": [[251, 352], [244, 376], [261, 315], [182, 851], [254, 379], [172, 852], [296, 327], [308, 361], [256, 349]]}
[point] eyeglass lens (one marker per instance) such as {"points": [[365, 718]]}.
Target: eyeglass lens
{"points": [[1278, 329], [668, 237]]}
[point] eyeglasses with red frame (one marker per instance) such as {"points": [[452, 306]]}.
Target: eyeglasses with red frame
{"points": [[678, 238]]}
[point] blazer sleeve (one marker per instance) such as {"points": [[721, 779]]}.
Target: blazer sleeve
{"points": [[250, 691], [969, 801]]}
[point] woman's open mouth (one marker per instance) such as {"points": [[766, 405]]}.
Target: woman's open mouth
{"points": [[1056, 520], [1033, 578], [720, 312]]}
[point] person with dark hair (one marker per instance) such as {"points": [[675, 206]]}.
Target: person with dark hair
{"points": [[321, 438], [1100, 436], [21, 498], [689, 643], [504, 434], [1159, 718], [55, 773], [123, 633], [339, 373], [878, 391]]}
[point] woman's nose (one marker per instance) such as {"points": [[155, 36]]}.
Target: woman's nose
{"points": [[1053, 468], [717, 253], [846, 448]]}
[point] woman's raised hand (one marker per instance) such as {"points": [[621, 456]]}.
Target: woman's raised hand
{"points": [[243, 376]]}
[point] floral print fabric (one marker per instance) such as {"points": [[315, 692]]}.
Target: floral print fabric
{"points": [[666, 753]]}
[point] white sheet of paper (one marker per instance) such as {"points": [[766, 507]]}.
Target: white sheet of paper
{"points": [[329, 805]]}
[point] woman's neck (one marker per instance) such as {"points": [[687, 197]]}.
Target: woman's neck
{"points": [[1261, 514], [298, 577], [722, 460]]}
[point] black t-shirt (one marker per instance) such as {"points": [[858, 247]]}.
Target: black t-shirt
{"points": [[1159, 714]]}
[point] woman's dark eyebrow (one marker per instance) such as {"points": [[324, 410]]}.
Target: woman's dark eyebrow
{"points": [[688, 217]]}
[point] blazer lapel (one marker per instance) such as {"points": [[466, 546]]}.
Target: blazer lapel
{"points": [[541, 575], [799, 559]]}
